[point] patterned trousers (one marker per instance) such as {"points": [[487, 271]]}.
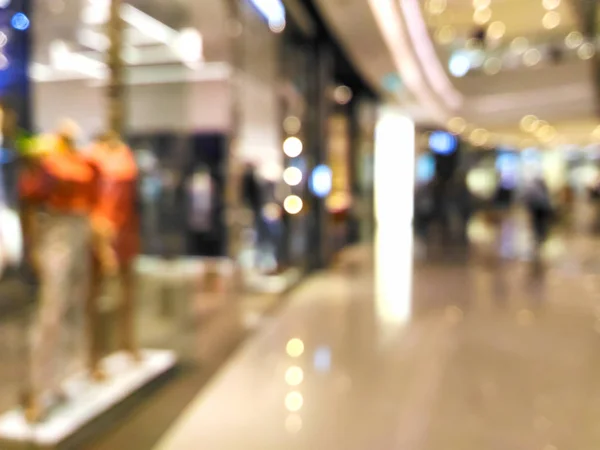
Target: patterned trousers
{"points": [[57, 332]]}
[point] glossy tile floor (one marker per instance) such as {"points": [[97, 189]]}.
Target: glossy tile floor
{"points": [[484, 354]]}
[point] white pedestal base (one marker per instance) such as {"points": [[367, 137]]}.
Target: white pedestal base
{"points": [[88, 400]]}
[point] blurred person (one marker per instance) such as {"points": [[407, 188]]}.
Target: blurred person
{"points": [[58, 193], [464, 205], [202, 201], [116, 241], [253, 198], [539, 205]]}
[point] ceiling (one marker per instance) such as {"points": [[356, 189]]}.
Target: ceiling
{"points": [[382, 36], [165, 40]]}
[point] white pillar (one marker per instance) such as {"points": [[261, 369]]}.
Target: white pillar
{"points": [[394, 199]]}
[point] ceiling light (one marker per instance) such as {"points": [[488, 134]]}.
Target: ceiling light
{"points": [[519, 45], [445, 35], [532, 57], [586, 51], [551, 4], [481, 4], [574, 39], [479, 137], [459, 65], [4, 3], [482, 16], [492, 66], [189, 45], [436, 7], [457, 125], [528, 123], [551, 20], [496, 30]]}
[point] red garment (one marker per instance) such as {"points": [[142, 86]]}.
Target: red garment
{"points": [[115, 208], [61, 181]]}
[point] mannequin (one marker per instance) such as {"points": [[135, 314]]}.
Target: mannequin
{"points": [[57, 193], [116, 241]]}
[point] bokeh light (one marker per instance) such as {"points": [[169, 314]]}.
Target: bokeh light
{"points": [[436, 7], [586, 51], [292, 147], [459, 64], [457, 125], [294, 401], [551, 4], [292, 176], [492, 66], [294, 376], [482, 16], [519, 45], [496, 30], [529, 123], [574, 39], [342, 95], [532, 57], [295, 348], [292, 204], [20, 22], [321, 180], [551, 20], [5, 3], [445, 35], [292, 125]]}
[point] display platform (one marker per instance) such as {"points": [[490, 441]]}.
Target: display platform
{"points": [[88, 400]]}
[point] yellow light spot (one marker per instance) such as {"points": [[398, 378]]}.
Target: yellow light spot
{"points": [[445, 35], [482, 16], [457, 125], [496, 30], [528, 123], [295, 348], [551, 20], [293, 204], [294, 401], [294, 376]]}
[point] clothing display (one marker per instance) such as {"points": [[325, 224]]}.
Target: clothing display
{"points": [[59, 191], [116, 228], [115, 210]]}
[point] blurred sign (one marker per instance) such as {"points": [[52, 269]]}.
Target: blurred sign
{"points": [[339, 161]]}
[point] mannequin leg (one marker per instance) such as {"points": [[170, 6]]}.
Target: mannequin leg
{"points": [[55, 254], [128, 339], [93, 322]]}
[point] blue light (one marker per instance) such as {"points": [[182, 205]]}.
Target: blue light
{"points": [[442, 143], [272, 10], [425, 168], [321, 181], [20, 22]]}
